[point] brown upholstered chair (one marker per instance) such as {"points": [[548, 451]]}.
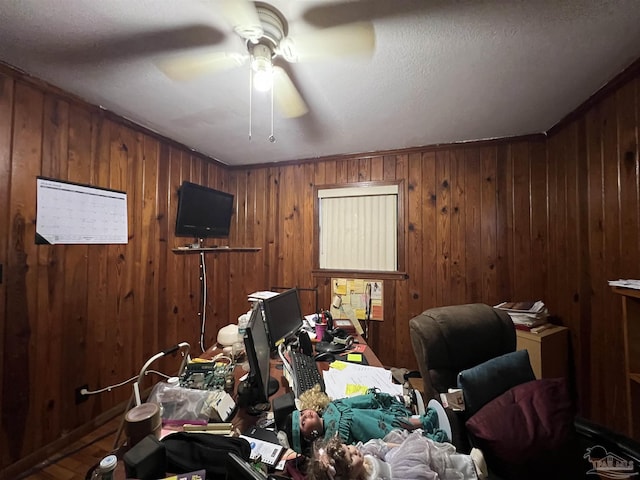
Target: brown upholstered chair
{"points": [[447, 340]]}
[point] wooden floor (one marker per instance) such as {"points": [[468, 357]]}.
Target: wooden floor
{"points": [[77, 459]]}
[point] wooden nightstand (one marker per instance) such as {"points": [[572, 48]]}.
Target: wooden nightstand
{"points": [[547, 351]]}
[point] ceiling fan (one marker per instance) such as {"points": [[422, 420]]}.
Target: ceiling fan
{"points": [[264, 31]]}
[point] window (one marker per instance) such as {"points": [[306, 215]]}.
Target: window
{"points": [[360, 227]]}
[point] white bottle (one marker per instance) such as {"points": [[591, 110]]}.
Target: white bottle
{"points": [[243, 322], [105, 469]]}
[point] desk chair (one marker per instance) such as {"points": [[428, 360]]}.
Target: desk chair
{"points": [[447, 340]]}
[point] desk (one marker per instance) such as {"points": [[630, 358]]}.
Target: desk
{"points": [[242, 420]]}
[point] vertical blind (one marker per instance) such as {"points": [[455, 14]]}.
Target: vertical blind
{"points": [[359, 228]]}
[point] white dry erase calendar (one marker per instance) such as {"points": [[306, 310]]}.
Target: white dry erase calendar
{"points": [[72, 213]]}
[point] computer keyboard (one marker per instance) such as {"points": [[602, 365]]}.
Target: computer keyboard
{"points": [[305, 373]]}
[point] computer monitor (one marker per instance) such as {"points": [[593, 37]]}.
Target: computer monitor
{"points": [[283, 315], [258, 349]]}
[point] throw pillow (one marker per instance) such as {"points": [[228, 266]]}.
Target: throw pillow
{"points": [[486, 381], [524, 422]]}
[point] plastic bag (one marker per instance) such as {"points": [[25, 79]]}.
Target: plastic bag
{"points": [[179, 405]]}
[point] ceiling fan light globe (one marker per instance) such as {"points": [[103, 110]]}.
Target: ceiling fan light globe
{"points": [[262, 68], [263, 80]]}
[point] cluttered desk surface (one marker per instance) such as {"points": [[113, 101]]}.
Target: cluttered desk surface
{"points": [[338, 372], [350, 373]]}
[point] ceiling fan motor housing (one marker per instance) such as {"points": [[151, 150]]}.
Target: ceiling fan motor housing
{"points": [[274, 25]]}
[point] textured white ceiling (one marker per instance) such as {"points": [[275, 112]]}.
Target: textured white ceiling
{"points": [[442, 71]]}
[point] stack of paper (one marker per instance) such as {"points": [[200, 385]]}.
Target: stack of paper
{"points": [[345, 379], [261, 295], [526, 315], [635, 284], [264, 451]]}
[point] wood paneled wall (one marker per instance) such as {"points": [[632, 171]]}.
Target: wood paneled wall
{"points": [[476, 216], [532, 218], [72, 315], [594, 236]]}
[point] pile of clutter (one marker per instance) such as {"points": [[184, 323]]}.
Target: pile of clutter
{"points": [[526, 315]]}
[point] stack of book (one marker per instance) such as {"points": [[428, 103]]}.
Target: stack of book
{"points": [[526, 315]]}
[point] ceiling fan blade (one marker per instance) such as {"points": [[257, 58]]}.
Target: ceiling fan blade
{"points": [[120, 47], [330, 14], [286, 96], [243, 17], [187, 67], [352, 39]]}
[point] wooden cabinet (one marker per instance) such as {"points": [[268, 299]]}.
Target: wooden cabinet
{"points": [[631, 338], [548, 351]]}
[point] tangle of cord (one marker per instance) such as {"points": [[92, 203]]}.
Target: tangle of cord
{"points": [[111, 387]]}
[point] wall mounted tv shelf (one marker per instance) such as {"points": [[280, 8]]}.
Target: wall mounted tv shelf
{"points": [[202, 251], [215, 249]]}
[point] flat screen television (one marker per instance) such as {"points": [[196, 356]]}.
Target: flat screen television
{"points": [[257, 347], [203, 212], [283, 316]]}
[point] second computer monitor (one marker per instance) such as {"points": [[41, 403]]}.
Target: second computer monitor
{"points": [[283, 315], [256, 342]]}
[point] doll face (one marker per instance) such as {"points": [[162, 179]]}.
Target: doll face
{"points": [[354, 456], [310, 422]]}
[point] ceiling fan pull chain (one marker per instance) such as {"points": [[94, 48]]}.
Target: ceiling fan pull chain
{"points": [[272, 139], [250, 98]]}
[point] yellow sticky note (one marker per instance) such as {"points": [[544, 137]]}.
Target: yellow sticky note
{"points": [[340, 286], [355, 389], [338, 365], [354, 357]]}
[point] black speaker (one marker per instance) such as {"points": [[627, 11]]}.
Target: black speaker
{"points": [[282, 406], [146, 460], [305, 343]]}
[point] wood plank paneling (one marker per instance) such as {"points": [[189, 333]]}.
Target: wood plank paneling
{"points": [[50, 290], [99, 326], [613, 259], [521, 233], [429, 224], [488, 226], [415, 233], [470, 237], [539, 220], [25, 330], [6, 127], [459, 218], [443, 227], [149, 256]]}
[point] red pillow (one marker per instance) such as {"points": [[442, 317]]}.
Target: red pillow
{"points": [[525, 421]]}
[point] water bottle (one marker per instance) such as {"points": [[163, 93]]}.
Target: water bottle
{"points": [[243, 322], [105, 469]]}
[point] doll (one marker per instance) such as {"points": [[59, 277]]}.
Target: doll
{"points": [[354, 419], [401, 455]]}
